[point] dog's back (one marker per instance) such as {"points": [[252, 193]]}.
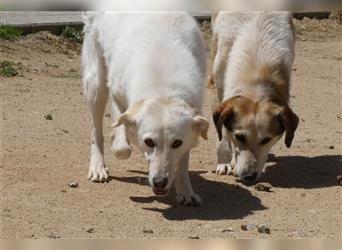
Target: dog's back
{"points": [[260, 50], [161, 49]]}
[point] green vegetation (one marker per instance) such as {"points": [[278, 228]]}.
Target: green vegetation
{"points": [[9, 32], [8, 69], [73, 34]]}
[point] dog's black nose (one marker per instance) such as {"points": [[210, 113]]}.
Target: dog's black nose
{"points": [[250, 177], [160, 182]]}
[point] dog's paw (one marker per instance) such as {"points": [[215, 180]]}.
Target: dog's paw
{"points": [[121, 148], [192, 200], [98, 172], [122, 153], [223, 169]]}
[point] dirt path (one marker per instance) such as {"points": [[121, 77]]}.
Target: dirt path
{"points": [[40, 157]]}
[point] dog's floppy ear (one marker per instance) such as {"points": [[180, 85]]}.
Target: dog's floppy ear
{"points": [[127, 118], [290, 121], [202, 124], [124, 119], [223, 115]]}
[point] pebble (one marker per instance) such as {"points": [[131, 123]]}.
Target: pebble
{"points": [[263, 187], [107, 115], [73, 184], [193, 237], [90, 230], [148, 231], [229, 229], [53, 236], [248, 227], [48, 117], [263, 229], [331, 147]]}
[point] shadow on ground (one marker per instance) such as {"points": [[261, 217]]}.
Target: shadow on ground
{"points": [[220, 200], [303, 172]]}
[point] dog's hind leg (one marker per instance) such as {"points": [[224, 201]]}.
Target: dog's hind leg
{"points": [[213, 52], [219, 65], [96, 93], [120, 146]]}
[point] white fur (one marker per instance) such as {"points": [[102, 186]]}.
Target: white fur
{"points": [[153, 66]]}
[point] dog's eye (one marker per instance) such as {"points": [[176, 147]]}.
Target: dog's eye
{"points": [[265, 140], [149, 142], [176, 144], [240, 138]]}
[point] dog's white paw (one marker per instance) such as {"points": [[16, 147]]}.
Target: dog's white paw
{"points": [[190, 199], [121, 148], [122, 153], [98, 172], [223, 169]]}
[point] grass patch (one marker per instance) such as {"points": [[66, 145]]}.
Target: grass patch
{"points": [[73, 34], [9, 32], [8, 69]]}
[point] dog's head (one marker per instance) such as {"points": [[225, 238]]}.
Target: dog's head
{"points": [[164, 129], [254, 127]]}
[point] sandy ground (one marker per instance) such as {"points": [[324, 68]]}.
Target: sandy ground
{"points": [[40, 157]]}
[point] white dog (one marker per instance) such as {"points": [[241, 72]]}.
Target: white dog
{"points": [[153, 65], [252, 63]]}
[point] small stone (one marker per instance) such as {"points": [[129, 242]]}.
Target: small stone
{"points": [[263, 229], [148, 231], [63, 191], [53, 236], [48, 117], [262, 187], [90, 230], [248, 227], [331, 147], [107, 115], [73, 184], [65, 131], [300, 233], [229, 229], [193, 237]]}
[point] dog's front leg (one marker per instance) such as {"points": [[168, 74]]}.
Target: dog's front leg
{"points": [[97, 99], [120, 146], [185, 193], [224, 157]]}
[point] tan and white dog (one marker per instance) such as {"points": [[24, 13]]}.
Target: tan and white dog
{"points": [[153, 66], [252, 58]]}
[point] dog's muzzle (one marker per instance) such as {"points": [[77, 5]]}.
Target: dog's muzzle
{"points": [[159, 184]]}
